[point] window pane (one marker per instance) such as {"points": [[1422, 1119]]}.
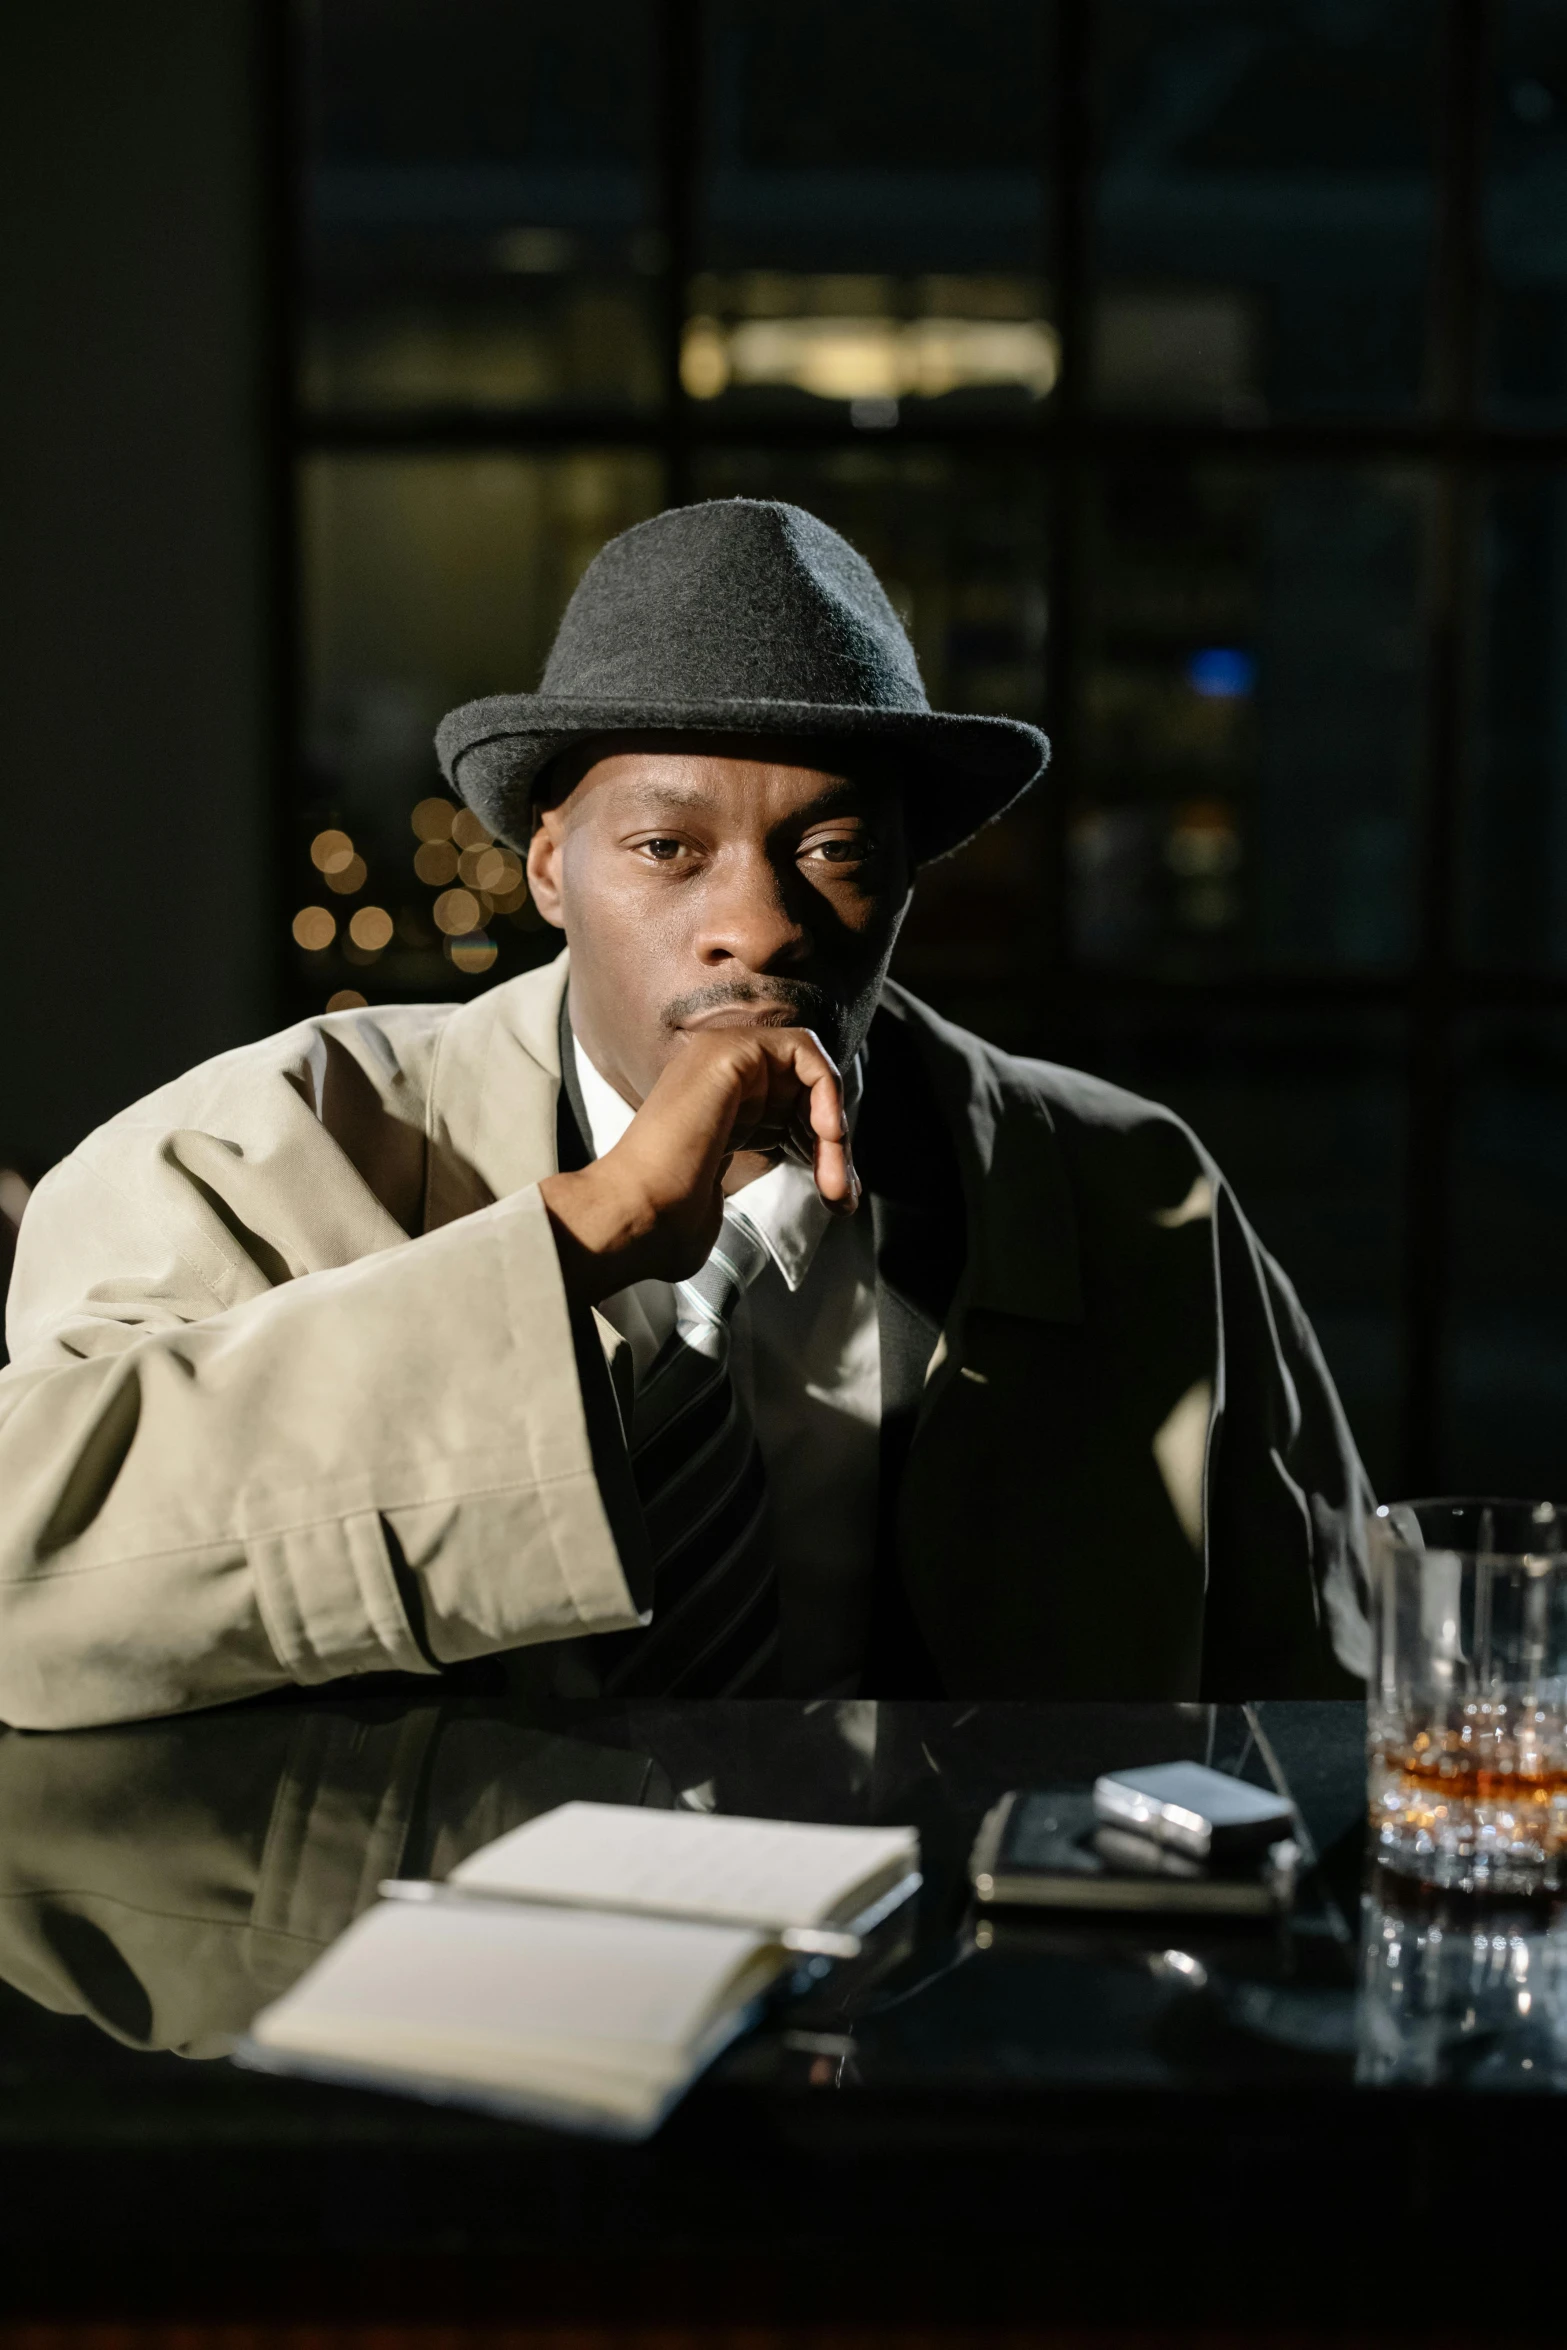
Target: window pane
{"points": [[960, 546], [428, 580], [1263, 209], [1515, 871], [1507, 1367], [873, 222], [1305, 1114], [1253, 713], [1526, 207], [478, 205]]}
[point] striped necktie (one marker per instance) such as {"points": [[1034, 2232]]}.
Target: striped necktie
{"points": [[700, 1482]]}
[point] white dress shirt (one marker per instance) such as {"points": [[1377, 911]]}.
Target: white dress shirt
{"points": [[805, 1353]]}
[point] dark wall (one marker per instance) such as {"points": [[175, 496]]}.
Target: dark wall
{"points": [[134, 684]]}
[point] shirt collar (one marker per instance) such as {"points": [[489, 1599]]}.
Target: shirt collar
{"points": [[608, 1115], [783, 1207]]}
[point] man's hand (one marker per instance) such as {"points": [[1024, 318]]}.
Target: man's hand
{"points": [[650, 1208]]}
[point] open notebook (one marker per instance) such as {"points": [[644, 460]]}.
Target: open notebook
{"points": [[584, 1968]]}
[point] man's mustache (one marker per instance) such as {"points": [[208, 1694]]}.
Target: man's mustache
{"points": [[806, 1003]]}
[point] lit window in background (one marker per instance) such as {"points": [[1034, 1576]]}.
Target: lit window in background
{"points": [[870, 357], [874, 218]]}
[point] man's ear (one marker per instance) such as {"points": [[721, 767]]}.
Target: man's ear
{"points": [[544, 867]]}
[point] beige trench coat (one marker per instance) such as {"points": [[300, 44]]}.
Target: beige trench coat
{"points": [[295, 1393]]}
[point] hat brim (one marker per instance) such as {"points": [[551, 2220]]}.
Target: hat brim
{"points": [[964, 771]]}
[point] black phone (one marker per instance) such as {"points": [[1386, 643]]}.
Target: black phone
{"points": [[1041, 1849]]}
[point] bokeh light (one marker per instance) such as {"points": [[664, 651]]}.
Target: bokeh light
{"points": [[371, 928], [436, 862], [345, 999], [432, 819], [347, 878], [456, 911], [331, 852], [473, 953], [491, 869], [468, 832], [314, 929]]}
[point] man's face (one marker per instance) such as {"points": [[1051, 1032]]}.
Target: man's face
{"points": [[719, 887]]}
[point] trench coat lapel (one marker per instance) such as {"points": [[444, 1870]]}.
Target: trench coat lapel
{"points": [[492, 1119]]}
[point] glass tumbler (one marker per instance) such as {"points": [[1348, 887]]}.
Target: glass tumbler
{"points": [[1467, 1720]]}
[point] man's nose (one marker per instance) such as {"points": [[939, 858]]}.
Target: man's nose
{"points": [[748, 916]]}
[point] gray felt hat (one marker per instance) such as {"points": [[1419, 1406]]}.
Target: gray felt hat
{"points": [[740, 616]]}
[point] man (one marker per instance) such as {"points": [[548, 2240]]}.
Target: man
{"points": [[700, 1316]]}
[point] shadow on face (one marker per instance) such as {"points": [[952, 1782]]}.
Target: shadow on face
{"points": [[719, 883]]}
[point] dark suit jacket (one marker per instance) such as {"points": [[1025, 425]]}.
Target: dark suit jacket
{"points": [[1126, 1472]]}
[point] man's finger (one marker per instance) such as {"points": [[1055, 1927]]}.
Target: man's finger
{"points": [[832, 1158]]}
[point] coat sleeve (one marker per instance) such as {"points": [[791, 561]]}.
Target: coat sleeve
{"points": [[1287, 1609], [222, 1470]]}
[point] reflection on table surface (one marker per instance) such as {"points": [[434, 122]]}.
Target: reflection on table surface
{"points": [[166, 1880]]}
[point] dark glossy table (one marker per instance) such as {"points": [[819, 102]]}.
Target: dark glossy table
{"points": [[982, 2121]]}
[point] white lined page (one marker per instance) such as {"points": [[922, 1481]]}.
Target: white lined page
{"points": [[766, 1873]]}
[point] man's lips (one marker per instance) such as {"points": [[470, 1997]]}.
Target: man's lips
{"points": [[761, 1015]]}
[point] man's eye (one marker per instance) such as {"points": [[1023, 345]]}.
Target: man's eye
{"points": [[840, 852], [664, 851]]}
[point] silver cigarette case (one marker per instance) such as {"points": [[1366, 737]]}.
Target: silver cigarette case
{"points": [[1193, 1810]]}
